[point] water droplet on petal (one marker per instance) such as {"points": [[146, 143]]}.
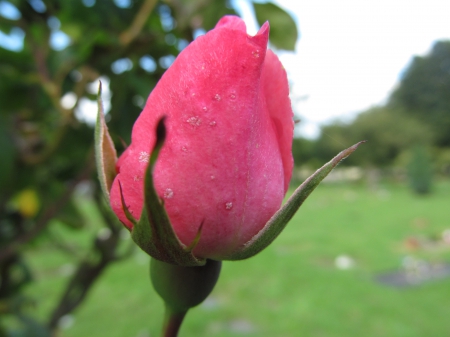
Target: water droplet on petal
{"points": [[137, 178], [168, 193], [205, 108], [255, 53], [193, 94], [233, 96], [184, 148], [194, 121], [228, 206], [213, 123], [217, 97], [144, 157], [213, 177]]}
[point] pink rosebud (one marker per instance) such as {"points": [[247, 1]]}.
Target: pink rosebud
{"points": [[226, 161]]}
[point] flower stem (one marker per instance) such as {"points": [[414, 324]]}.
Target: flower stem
{"points": [[182, 288], [172, 322]]}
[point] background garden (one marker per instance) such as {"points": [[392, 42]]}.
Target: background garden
{"points": [[367, 254]]}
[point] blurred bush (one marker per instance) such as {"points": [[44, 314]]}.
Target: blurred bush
{"points": [[420, 171]]}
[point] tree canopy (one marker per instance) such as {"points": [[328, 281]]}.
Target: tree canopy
{"points": [[416, 114]]}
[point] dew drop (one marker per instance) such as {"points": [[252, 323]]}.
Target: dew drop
{"points": [[233, 96], [213, 177], [168, 193], [137, 178], [228, 205], [194, 121], [213, 123], [217, 97], [184, 148], [255, 53], [144, 157], [205, 108]]}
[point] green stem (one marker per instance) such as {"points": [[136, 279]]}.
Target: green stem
{"points": [[182, 288], [172, 322]]}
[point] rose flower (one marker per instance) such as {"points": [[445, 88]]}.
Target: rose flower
{"points": [[226, 161]]}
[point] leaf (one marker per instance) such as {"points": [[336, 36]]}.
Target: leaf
{"points": [[281, 218], [105, 152], [213, 12], [283, 30], [154, 232]]}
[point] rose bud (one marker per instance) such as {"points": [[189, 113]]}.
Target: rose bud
{"points": [[227, 160], [211, 187]]}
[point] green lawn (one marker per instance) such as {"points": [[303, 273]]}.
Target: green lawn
{"points": [[293, 288]]}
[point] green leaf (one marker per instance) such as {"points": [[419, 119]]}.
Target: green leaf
{"points": [[154, 232], [105, 152], [281, 218], [213, 11], [283, 30]]}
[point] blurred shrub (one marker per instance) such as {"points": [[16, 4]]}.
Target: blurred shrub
{"points": [[420, 170]]}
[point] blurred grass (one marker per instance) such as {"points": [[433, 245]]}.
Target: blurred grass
{"points": [[292, 288]]}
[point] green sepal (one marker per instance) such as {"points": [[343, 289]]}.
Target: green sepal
{"points": [[153, 232], [125, 209], [281, 218], [105, 152]]}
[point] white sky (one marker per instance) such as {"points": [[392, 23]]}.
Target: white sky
{"points": [[351, 52]]}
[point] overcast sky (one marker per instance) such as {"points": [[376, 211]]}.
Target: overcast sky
{"points": [[351, 52]]}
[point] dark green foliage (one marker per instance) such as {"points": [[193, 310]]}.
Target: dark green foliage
{"points": [[389, 133], [7, 153], [424, 91], [333, 138], [303, 151], [420, 171]]}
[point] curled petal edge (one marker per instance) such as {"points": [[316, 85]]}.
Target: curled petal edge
{"points": [[281, 218]]}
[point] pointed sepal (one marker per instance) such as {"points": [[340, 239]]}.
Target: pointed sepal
{"points": [[105, 152], [154, 232], [281, 218]]}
